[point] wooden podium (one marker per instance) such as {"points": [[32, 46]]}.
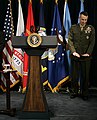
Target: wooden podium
{"points": [[34, 104]]}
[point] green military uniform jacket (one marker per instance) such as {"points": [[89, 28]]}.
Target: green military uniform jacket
{"points": [[81, 41]]}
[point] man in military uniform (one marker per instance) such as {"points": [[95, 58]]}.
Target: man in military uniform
{"points": [[81, 40]]}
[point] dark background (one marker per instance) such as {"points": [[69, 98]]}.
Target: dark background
{"points": [[74, 6]]}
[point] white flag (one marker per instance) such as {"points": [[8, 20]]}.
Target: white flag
{"points": [[18, 53]]}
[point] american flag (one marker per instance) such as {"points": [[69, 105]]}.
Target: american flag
{"points": [[7, 52]]}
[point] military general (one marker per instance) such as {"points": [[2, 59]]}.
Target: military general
{"points": [[81, 40]]}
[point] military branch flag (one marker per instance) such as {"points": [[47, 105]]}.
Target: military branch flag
{"points": [[41, 15], [8, 50], [67, 26], [30, 28], [57, 62], [42, 32], [81, 7], [17, 61], [66, 19]]}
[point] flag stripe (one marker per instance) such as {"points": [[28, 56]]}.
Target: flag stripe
{"points": [[9, 48]]}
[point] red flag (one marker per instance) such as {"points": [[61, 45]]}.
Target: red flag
{"points": [[29, 29]]}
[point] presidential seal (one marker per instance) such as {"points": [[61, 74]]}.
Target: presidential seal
{"points": [[34, 40]]}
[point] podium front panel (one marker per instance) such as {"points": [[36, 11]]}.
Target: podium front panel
{"points": [[47, 42]]}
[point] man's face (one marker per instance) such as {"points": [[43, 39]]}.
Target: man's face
{"points": [[83, 19]]}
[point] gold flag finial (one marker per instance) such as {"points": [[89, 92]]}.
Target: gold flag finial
{"points": [[41, 1], [65, 0], [30, 1], [56, 1]]}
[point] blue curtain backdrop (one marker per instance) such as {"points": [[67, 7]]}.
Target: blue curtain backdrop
{"points": [[74, 6]]}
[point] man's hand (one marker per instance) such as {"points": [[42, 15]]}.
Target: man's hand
{"points": [[76, 54]]}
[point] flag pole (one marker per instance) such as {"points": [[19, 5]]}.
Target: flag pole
{"points": [[11, 19]]}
